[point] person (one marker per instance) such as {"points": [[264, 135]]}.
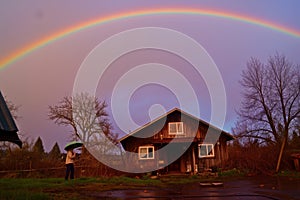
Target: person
{"points": [[70, 164]]}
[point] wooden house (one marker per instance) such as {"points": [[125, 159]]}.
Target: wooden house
{"points": [[177, 142]]}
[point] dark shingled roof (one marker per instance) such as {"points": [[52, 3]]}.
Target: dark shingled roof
{"points": [[8, 128]]}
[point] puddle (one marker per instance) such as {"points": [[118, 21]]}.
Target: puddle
{"points": [[247, 188]]}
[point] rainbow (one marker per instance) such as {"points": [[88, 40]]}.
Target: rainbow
{"points": [[20, 53]]}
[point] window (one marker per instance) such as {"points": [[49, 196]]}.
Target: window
{"points": [[206, 150], [146, 152], [176, 128]]}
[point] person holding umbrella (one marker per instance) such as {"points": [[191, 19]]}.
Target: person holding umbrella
{"points": [[70, 164], [70, 159]]}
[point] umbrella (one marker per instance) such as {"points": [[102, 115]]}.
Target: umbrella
{"points": [[73, 145]]}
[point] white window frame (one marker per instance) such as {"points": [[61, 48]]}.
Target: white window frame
{"points": [[207, 155], [148, 157], [177, 124]]}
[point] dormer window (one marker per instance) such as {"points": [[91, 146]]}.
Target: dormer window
{"points": [[176, 128]]}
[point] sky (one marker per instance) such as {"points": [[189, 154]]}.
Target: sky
{"points": [[46, 73]]}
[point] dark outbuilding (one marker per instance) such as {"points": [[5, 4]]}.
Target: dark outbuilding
{"points": [[8, 128]]}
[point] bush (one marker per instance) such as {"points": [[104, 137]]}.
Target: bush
{"points": [[255, 159]]}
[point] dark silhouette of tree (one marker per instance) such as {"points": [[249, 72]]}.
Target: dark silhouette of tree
{"points": [[38, 148], [271, 102], [29, 162], [55, 152], [86, 115]]}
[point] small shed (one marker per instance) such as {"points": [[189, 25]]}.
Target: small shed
{"points": [[8, 128]]}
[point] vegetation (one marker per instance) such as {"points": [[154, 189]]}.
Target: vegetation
{"points": [[30, 161], [55, 154], [270, 111], [33, 162], [88, 117], [252, 158], [58, 188], [13, 108], [38, 149], [231, 173], [85, 114]]}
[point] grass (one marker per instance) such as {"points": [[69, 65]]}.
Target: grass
{"points": [[25, 188], [288, 173], [231, 173], [21, 194], [83, 188], [58, 188]]}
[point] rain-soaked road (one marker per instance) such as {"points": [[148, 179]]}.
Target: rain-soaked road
{"points": [[258, 188]]}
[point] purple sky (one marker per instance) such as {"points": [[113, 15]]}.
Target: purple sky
{"points": [[46, 75]]}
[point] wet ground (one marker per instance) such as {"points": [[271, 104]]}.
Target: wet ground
{"points": [[252, 188]]}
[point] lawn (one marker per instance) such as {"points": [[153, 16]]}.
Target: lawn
{"points": [[58, 188], [84, 188]]}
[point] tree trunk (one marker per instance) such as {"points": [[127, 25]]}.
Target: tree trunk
{"points": [[281, 152]]}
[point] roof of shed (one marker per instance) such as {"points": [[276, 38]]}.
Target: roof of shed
{"points": [[8, 128]]}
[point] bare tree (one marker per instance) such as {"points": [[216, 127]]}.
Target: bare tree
{"points": [[13, 109], [86, 115], [271, 101]]}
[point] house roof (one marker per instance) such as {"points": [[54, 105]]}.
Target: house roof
{"points": [[8, 128], [183, 112]]}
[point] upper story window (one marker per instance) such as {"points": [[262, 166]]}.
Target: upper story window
{"points": [[206, 150], [146, 152], [176, 128]]}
